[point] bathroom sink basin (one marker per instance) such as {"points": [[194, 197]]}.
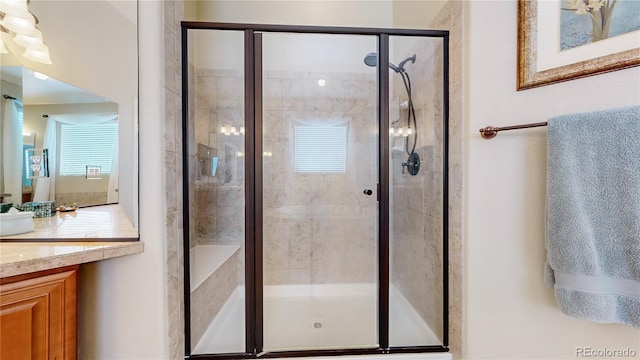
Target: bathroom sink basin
{"points": [[18, 223]]}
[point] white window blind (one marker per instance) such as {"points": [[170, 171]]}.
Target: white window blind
{"points": [[320, 149], [87, 145]]}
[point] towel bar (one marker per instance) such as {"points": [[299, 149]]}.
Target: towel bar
{"points": [[490, 132]]}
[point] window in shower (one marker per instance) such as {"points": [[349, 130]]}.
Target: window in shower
{"points": [[320, 149]]}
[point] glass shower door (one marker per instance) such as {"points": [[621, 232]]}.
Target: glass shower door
{"points": [[319, 192]]}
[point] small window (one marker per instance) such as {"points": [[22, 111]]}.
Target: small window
{"points": [[82, 146], [320, 149]]}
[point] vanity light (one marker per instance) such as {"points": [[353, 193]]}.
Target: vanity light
{"points": [[21, 23], [32, 40], [232, 130], [18, 26], [267, 153], [240, 154], [26, 134], [41, 56]]}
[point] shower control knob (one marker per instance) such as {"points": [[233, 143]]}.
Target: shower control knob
{"points": [[368, 191]]}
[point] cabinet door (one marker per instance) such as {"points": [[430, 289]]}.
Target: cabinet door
{"points": [[38, 316]]}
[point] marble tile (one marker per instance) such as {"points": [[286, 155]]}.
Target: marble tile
{"points": [[208, 298], [170, 59]]}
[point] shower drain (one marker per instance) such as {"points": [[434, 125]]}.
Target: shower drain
{"points": [[317, 325]]}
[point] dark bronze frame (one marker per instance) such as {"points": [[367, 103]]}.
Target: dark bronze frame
{"points": [[253, 187]]}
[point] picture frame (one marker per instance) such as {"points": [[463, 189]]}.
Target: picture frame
{"points": [[584, 63]]}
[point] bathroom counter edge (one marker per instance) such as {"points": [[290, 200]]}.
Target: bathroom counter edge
{"points": [[17, 258]]}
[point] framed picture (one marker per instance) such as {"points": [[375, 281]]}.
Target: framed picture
{"points": [[560, 40]]}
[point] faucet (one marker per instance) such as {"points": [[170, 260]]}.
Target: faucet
{"points": [[412, 164]]}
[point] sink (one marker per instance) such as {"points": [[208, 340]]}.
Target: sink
{"points": [[18, 223]]}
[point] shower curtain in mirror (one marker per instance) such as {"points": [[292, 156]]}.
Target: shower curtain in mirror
{"points": [[11, 153], [45, 188]]}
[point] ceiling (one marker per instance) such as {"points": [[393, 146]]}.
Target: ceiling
{"points": [[50, 91]]}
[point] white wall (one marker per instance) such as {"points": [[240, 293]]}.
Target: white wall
{"points": [[510, 313], [123, 312]]}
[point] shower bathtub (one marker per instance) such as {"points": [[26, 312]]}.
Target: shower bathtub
{"points": [[319, 321]]}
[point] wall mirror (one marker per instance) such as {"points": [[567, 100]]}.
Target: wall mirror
{"points": [[82, 107]]}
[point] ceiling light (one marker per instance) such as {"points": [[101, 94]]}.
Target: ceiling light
{"points": [[40, 75], [322, 82]]}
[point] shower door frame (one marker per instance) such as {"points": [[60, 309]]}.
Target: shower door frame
{"points": [[253, 187]]}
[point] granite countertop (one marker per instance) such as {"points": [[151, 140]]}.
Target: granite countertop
{"points": [[17, 258], [70, 238], [98, 222]]}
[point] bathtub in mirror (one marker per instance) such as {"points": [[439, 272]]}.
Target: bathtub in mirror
{"points": [[93, 78]]}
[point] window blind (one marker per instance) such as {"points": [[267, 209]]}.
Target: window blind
{"points": [[320, 149], [87, 145]]}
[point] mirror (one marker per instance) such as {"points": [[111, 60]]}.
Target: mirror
{"points": [[92, 89], [79, 130]]}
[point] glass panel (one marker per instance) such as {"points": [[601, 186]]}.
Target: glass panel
{"points": [[216, 184], [320, 142], [416, 214]]}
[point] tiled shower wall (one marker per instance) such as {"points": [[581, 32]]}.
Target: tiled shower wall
{"points": [[318, 228], [218, 200]]}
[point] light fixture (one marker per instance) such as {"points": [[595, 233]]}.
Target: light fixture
{"points": [[32, 40], [18, 30], [41, 56], [322, 82], [231, 130]]}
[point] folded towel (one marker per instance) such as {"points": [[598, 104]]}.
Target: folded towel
{"points": [[593, 215]]}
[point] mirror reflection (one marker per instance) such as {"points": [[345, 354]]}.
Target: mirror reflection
{"points": [[90, 96], [78, 130]]}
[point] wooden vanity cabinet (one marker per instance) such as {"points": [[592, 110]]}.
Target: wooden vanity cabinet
{"points": [[38, 315]]}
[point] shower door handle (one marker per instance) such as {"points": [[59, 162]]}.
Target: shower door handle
{"points": [[368, 191]]}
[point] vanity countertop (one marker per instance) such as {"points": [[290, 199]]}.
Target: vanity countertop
{"points": [[98, 222], [70, 238], [17, 258]]}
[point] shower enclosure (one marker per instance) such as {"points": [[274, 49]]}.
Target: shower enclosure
{"points": [[315, 187]]}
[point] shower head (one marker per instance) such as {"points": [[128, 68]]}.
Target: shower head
{"points": [[371, 59]]}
